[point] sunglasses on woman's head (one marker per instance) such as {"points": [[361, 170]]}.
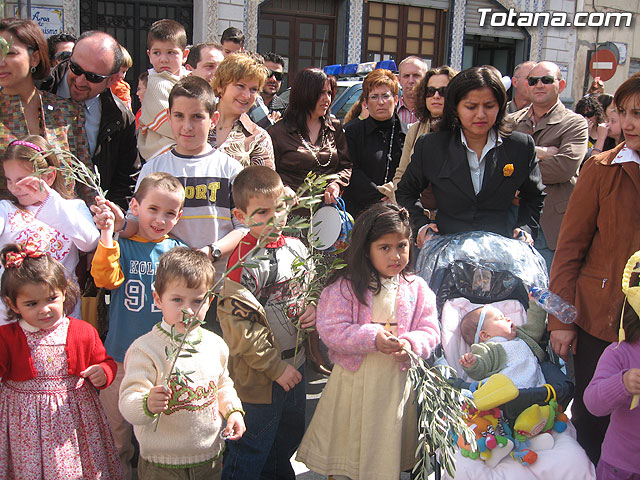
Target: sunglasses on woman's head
{"points": [[546, 80], [62, 56], [276, 75], [91, 77], [431, 91]]}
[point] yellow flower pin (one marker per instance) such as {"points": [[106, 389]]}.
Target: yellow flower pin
{"points": [[507, 171]]}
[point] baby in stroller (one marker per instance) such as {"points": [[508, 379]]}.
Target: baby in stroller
{"points": [[499, 346], [474, 272]]}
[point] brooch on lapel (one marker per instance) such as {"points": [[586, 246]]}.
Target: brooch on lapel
{"points": [[507, 171]]}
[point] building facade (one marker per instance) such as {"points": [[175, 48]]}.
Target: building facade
{"points": [[323, 32]]}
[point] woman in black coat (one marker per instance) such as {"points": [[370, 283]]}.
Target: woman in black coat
{"points": [[475, 165], [375, 143]]}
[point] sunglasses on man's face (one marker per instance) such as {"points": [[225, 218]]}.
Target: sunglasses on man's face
{"points": [[546, 80], [431, 91], [589, 114], [91, 77], [276, 75]]}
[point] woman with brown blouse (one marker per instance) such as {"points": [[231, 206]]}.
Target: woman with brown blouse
{"points": [[307, 139]]}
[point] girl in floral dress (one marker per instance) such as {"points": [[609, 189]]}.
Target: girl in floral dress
{"points": [[42, 209], [52, 425]]}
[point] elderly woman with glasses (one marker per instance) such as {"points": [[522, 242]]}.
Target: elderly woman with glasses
{"points": [[375, 143], [25, 110], [475, 165]]}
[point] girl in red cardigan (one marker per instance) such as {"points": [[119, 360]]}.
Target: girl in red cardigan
{"points": [[51, 421]]}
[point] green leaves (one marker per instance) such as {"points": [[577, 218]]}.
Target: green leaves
{"points": [[73, 170], [442, 415], [310, 273], [5, 46]]}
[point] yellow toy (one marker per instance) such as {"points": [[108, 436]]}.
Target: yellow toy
{"points": [[496, 391]]}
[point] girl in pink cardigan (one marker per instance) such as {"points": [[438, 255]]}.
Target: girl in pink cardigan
{"points": [[51, 421], [365, 424]]}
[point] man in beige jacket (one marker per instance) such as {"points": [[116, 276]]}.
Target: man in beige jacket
{"points": [[561, 137]]}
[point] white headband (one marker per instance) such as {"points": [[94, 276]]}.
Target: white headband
{"points": [[483, 312]]}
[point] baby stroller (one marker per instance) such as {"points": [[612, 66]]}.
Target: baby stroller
{"points": [[472, 269]]}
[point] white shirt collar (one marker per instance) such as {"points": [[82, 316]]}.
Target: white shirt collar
{"points": [[491, 141], [390, 283], [626, 155], [30, 328], [477, 165]]}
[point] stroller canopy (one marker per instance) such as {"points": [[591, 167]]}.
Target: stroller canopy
{"points": [[482, 267]]}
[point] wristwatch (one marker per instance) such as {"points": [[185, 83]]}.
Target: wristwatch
{"points": [[215, 252]]}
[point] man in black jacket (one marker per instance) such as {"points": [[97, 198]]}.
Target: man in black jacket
{"points": [[86, 77]]}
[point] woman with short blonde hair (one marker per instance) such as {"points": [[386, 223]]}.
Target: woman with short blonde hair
{"points": [[237, 83]]}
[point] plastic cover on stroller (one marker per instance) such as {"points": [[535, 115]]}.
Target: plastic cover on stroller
{"points": [[482, 267]]}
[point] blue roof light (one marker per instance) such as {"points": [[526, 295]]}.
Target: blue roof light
{"points": [[387, 64], [349, 69], [332, 69]]}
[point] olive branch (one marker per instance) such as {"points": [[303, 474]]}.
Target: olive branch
{"points": [[4, 45], [72, 169], [308, 196], [311, 272], [442, 415]]}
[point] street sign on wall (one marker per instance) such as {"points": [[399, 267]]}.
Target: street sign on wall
{"points": [[603, 64]]}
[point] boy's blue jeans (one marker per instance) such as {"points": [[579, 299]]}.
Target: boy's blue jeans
{"points": [[273, 434]]}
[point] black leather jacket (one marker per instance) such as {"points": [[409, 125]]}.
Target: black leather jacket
{"points": [[116, 154]]}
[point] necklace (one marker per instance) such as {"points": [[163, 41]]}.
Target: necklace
{"points": [[313, 150], [393, 129]]}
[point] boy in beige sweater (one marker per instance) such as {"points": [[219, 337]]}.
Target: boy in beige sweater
{"points": [[186, 436], [167, 51]]}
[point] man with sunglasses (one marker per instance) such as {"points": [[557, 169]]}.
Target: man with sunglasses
{"points": [[111, 131], [60, 46], [269, 93], [561, 138]]}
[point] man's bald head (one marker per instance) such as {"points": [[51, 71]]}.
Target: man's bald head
{"points": [[104, 44]]}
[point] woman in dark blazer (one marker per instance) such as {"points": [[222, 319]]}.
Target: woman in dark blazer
{"points": [[475, 165]]}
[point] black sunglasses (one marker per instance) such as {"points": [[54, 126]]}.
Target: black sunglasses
{"points": [[91, 77], [276, 75], [62, 56], [547, 80], [431, 91], [589, 114]]}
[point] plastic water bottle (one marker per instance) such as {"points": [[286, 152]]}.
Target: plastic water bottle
{"points": [[553, 304]]}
